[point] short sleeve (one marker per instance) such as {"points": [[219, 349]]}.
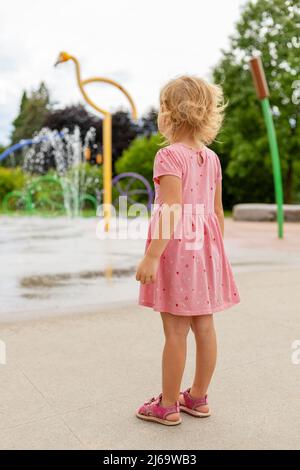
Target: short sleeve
{"points": [[166, 162], [219, 169]]}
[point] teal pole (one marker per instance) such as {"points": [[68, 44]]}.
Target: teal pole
{"points": [[275, 162]]}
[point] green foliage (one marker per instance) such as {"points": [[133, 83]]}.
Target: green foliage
{"points": [[140, 155], [46, 192], [271, 27], [36, 113], [90, 178], [33, 109], [124, 130], [11, 179]]}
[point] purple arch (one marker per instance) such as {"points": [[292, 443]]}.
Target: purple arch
{"points": [[138, 177]]}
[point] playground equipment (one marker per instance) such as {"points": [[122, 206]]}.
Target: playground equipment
{"points": [[107, 127], [25, 143], [32, 200], [262, 91], [66, 191]]}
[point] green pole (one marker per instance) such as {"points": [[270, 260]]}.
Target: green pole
{"points": [[262, 91], [275, 162]]}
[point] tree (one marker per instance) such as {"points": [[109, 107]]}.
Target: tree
{"points": [[139, 156], [72, 116], [124, 130], [272, 28], [149, 122], [33, 109]]}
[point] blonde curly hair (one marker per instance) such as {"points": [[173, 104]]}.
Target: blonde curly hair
{"points": [[190, 105]]}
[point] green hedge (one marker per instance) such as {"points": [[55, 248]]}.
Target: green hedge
{"points": [[45, 191], [11, 179], [140, 155]]}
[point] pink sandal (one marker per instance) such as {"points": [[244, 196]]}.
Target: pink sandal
{"points": [[153, 411], [190, 405]]}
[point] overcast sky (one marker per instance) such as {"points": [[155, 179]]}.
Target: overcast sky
{"points": [[140, 43]]}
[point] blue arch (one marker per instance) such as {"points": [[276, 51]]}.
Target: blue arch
{"points": [[24, 143]]}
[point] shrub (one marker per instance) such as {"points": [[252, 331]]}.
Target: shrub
{"points": [[91, 179], [11, 179], [46, 192], [140, 155]]}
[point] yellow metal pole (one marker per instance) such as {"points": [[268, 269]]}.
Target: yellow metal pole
{"points": [[107, 168], [107, 128]]}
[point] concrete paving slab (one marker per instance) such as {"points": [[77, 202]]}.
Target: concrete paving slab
{"points": [[93, 370], [50, 433], [20, 400]]}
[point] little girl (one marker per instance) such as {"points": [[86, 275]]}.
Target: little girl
{"points": [[186, 275]]}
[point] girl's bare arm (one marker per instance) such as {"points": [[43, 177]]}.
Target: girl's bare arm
{"points": [[171, 195]]}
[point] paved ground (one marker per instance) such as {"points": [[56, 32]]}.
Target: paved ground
{"points": [[73, 381]]}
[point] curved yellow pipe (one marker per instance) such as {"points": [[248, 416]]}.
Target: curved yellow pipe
{"points": [[117, 85], [87, 81], [83, 92], [107, 128]]}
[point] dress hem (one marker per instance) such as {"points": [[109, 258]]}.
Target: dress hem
{"points": [[188, 312]]}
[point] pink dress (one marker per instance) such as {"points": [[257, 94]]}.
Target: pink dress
{"points": [[194, 275]]}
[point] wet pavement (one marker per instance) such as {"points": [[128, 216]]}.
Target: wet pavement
{"points": [[51, 265], [59, 262]]}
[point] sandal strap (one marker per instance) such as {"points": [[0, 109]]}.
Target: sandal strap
{"points": [[171, 409], [192, 402], [153, 407], [166, 411], [153, 399]]}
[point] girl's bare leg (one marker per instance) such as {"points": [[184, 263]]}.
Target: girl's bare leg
{"points": [[176, 329], [206, 355]]}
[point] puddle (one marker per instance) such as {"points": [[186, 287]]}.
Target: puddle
{"points": [[59, 280]]}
